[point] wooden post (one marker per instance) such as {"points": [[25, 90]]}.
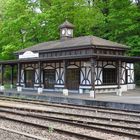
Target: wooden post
{"points": [[40, 89], [119, 73], [119, 77], [2, 78], [12, 75], [65, 90], [39, 71], [19, 74], [65, 67], [93, 62], [2, 74]]}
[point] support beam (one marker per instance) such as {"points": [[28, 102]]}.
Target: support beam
{"points": [[39, 71], [40, 89], [2, 74], [119, 92], [65, 90], [19, 87], [19, 74], [93, 63], [12, 76], [65, 67], [2, 78]]}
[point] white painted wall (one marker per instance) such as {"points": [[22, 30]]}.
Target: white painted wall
{"points": [[130, 69], [123, 73], [131, 86], [87, 73]]}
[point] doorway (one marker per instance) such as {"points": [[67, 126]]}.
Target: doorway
{"points": [[49, 78], [29, 78], [73, 78]]}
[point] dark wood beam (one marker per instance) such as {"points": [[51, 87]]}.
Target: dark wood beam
{"points": [[93, 63], [12, 74], [19, 74], [39, 71], [65, 73], [119, 73], [2, 74], [73, 57]]}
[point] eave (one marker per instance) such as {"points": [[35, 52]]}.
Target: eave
{"points": [[81, 57]]}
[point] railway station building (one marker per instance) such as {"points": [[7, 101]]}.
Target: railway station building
{"points": [[86, 64]]}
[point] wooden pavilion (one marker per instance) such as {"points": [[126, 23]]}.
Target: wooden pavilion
{"points": [[86, 64]]}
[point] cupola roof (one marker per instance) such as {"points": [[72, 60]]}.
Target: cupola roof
{"points": [[66, 24]]}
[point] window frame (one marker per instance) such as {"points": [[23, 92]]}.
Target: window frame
{"points": [[109, 76]]}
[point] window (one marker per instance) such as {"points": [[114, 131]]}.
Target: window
{"points": [[120, 53], [104, 51], [114, 52], [109, 76]]}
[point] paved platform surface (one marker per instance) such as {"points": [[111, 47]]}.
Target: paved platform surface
{"points": [[131, 96]]}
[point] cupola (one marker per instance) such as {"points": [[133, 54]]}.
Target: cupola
{"points": [[66, 30]]}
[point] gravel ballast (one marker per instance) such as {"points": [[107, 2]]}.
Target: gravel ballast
{"points": [[51, 124]]}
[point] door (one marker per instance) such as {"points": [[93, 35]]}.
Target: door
{"points": [[29, 78], [49, 78], [73, 78]]}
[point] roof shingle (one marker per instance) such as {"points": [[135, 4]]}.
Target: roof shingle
{"points": [[73, 42]]}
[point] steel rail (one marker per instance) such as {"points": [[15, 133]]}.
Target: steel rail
{"points": [[71, 114], [55, 129], [78, 124], [21, 133], [72, 105], [70, 120], [75, 107]]}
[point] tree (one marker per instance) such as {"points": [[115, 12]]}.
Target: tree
{"points": [[20, 27], [36, 21]]}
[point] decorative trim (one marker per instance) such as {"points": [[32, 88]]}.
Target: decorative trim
{"points": [[59, 86], [84, 87], [28, 54]]}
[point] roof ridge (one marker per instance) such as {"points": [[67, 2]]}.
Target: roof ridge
{"points": [[110, 41], [91, 39]]}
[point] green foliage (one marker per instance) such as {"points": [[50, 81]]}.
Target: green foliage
{"points": [[27, 22], [7, 51], [50, 129]]}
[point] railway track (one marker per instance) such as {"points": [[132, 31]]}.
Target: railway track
{"points": [[108, 128], [8, 133], [94, 116], [65, 132], [88, 107], [109, 119], [79, 107], [99, 123]]}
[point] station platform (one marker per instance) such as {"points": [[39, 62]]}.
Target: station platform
{"points": [[129, 100]]}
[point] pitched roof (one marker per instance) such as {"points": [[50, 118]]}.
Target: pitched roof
{"points": [[73, 42], [66, 24]]}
